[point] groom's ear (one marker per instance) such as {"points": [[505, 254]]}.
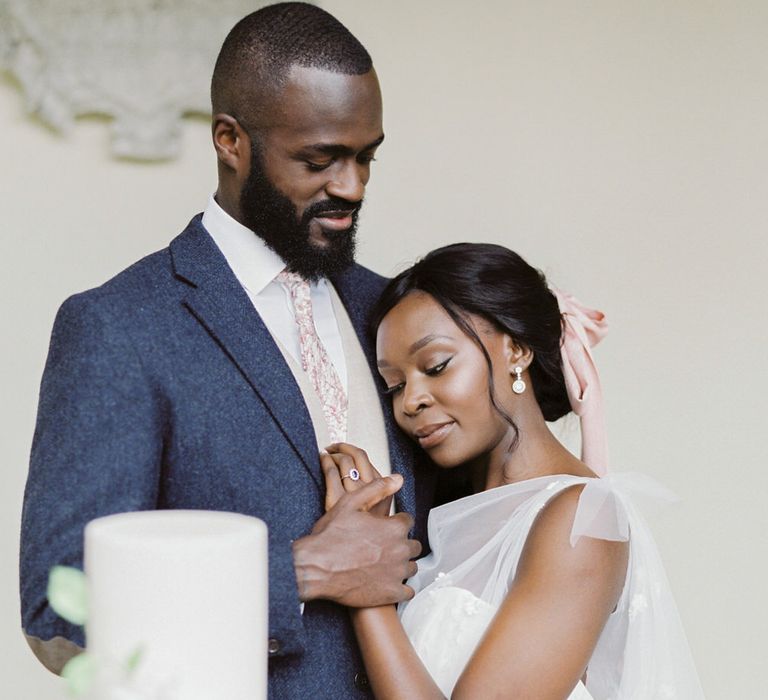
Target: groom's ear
{"points": [[516, 355], [232, 144]]}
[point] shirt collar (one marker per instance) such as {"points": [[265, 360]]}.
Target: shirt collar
{"points": [[255, 264]]}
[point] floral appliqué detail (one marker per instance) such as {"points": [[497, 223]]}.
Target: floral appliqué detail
{"points": [[441, 581], [638, 605], [472, 607]]}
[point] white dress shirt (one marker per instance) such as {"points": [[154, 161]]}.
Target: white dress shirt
{"points": [[256, 265]]}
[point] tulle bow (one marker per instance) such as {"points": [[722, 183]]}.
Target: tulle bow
{"points": [[584, 328], [602, 515]]}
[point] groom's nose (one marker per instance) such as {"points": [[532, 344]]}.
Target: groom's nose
{"points": [[348, 181]]}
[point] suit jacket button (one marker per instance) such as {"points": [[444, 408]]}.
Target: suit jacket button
{"points": [[273, 646], [361, 681]]}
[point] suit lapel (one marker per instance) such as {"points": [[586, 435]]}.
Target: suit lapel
{"points": [[218, 301]]}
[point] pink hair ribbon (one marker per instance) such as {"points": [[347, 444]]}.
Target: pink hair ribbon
{"points": [[583, 329]]}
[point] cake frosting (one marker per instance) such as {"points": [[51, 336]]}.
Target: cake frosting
{"points": [[185, 593]]}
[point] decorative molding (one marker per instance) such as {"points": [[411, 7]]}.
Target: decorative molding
{"points": [[145, 63]]}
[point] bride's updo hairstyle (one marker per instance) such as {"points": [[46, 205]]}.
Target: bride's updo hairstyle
{"points": [[496, 284]]}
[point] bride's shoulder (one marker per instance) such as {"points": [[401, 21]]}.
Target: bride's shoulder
{"points": [[557, 513], [551, 548]]}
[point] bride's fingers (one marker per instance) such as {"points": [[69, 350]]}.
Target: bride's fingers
{"points": [[352, 478], [368, 473], [334, 488], [356, 470], [361, 461]]}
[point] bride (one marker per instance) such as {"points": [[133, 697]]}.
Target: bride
{"points": [[545, 583]]}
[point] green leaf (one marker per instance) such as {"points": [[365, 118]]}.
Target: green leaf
{"points": [[134, 660], [67, 594], [79, 673]]}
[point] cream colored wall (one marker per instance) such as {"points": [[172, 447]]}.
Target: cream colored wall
{"points": [[620, 146]]}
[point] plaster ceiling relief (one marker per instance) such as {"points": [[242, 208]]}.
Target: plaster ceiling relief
{"points": [[145, 63]]}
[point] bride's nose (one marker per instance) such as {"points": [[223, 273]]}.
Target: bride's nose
{"points": [[415, 399]]}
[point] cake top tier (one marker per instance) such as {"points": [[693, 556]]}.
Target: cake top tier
{"points": [[173, 528]]}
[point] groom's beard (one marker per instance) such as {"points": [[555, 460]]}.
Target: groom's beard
{"points": [[273, 217]]}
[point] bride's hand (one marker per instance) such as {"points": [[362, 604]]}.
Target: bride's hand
{"points": [[343, 462]]}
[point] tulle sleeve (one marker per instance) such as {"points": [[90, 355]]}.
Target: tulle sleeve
{"points": [[643, 652], [477, 542], [602, 510]]}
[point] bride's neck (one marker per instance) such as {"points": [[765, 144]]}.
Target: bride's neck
{"points": [[526, 453]]}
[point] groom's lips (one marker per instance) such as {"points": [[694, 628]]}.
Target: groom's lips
{"points": [[433, 434], [339, 220]]}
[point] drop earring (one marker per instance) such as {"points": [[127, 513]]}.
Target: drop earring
{"points": [[518, 386]]}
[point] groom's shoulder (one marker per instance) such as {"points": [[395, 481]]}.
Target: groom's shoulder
{"points": [[147, 276], [148, 283], [359, 288], [366, 278]]}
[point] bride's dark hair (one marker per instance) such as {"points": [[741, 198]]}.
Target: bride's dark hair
{"points": [[496, 284]]}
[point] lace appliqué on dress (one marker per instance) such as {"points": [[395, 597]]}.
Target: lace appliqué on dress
{"points": [[445, 625]]}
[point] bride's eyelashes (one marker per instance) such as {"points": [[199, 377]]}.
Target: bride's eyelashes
{"points": [[390, 390], [438, 368], [432, 371]]}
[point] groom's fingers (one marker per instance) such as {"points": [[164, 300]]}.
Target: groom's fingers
{"points": [[352, 572], [367, 496], [413, 567], [414, 551]]}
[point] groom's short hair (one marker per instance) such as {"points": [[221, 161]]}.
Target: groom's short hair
{"points": [[261, 48]]}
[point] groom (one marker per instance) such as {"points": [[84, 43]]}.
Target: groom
{"points": [[210, 374]]}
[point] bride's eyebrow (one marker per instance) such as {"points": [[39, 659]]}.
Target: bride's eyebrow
{"points": [[426, 340], [418, 345]]}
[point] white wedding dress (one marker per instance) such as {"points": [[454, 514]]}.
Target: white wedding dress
{"points": [[642, 653]]}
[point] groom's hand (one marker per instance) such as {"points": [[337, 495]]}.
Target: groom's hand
{"points": [[355, 557]]}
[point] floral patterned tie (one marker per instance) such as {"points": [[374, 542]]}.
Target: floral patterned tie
{"points": [[314, 357]]}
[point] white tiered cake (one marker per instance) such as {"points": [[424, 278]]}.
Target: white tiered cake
{"points": [[187, 588]]}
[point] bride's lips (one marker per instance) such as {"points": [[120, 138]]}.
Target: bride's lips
{"points": [[336, 220], [433, 434]]}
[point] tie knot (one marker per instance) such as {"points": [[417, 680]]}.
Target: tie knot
{"points": [[298, 289], [291, 280], [296, 285]]}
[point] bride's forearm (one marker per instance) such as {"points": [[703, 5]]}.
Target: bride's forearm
{"points": [[394, 669]]}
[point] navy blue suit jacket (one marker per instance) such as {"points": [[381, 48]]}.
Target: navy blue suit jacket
{"points": [[164, 389]]}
